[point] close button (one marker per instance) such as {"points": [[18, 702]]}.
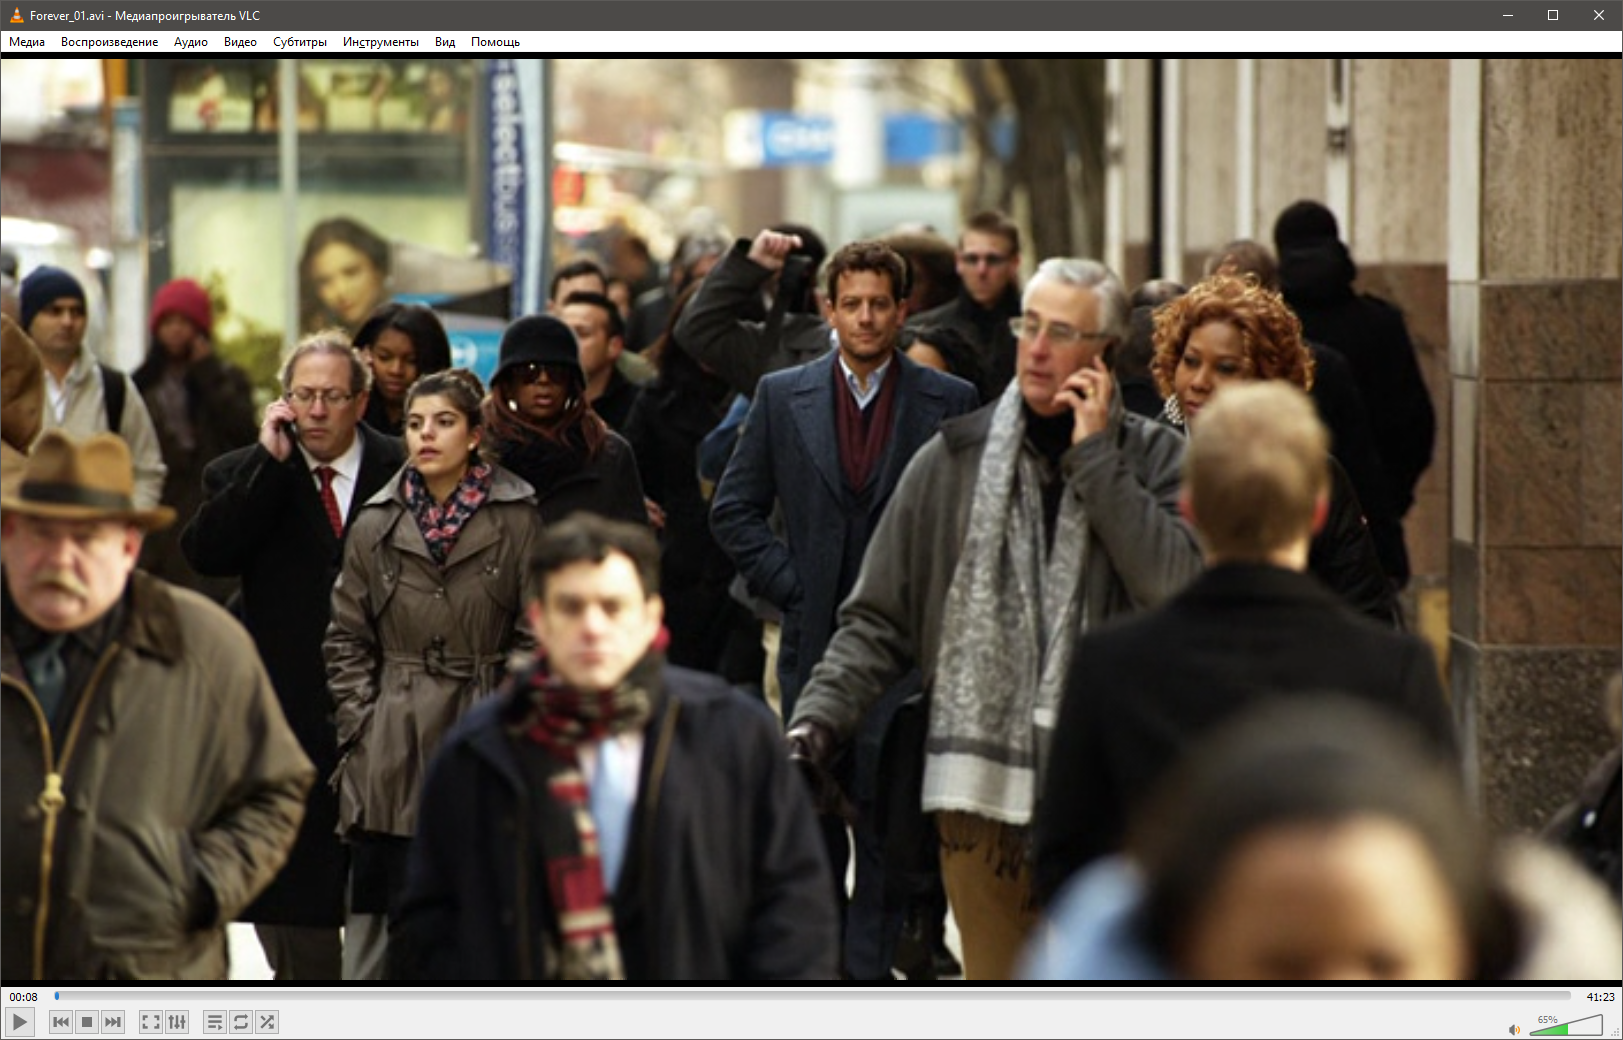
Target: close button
{"points": [[1600, 16]]}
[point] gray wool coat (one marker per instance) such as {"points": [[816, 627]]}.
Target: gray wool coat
{"points": [[1140, 551]]}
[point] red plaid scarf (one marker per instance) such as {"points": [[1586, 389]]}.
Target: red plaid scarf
{"points": [[441, 524], [560, 718]]}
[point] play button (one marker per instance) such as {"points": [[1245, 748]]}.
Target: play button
{"points": [[19, 1021]]}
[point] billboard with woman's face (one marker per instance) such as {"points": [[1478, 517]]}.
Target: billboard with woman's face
{"points": [[343, 274], [383, 165]]}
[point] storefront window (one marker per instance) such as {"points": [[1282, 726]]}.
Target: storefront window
{"points": [[388, 202]]}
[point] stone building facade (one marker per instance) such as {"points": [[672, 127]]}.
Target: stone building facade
{"points": [[1483, 196]]}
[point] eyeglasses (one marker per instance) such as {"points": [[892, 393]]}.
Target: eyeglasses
{"points": [[982, 259], [305, 396], [534, 370], [1065, 335]]}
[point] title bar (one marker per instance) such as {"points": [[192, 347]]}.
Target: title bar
{"points": [[712, 16]]}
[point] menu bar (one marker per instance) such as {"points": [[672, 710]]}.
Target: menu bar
{"points": [[282, 43]]}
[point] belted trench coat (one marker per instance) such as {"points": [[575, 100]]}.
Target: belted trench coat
{"points": [[413, 645]]}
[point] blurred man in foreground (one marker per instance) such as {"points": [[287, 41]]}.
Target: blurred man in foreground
{"points": [[569, 828]]}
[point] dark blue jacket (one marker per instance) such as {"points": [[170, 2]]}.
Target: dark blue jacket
{"points": [[725, 876], [789, 454]]}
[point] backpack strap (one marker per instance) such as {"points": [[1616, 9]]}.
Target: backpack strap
{"points": [[113, 389]]}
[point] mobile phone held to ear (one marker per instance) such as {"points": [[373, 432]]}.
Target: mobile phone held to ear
{"points": [[291, 430]]}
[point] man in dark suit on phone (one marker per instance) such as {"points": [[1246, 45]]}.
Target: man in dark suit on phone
{"points": [[275, 514], [1254, 626]]}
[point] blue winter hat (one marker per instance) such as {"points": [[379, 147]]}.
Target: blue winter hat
{"points": [[43, 287]]}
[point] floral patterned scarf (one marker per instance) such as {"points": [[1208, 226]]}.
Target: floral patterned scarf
{"points": [[441, 524]]}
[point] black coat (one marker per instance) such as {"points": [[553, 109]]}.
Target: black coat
{"points": [[987, 328], [377, 417], [606, 483], [649, 313], [718, 328], [667, 425], [1346, 415], [1344, 556], [725, 880], [619, 397], [262, 520], [1317, 283], [1142, 691], [220, 409]]}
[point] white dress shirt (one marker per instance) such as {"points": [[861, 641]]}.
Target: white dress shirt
{"points": [[876, 379], [346, 471]]}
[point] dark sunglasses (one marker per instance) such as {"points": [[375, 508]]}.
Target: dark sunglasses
{"points": [[531, 372]]}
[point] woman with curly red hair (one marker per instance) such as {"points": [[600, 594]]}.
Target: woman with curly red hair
{"points": [[1228, 329]]}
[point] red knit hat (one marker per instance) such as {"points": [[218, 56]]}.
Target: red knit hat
{"points": [[185, 298]]}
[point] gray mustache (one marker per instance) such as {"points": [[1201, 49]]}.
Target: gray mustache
{"points": [[66, 581]]}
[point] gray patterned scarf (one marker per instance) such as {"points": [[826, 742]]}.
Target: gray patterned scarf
{"points": [[1009, 623]]}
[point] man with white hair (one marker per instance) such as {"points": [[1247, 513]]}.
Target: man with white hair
{"points": [[1015, 528]]}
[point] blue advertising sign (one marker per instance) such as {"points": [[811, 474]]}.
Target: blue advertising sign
{"points": [[476, 340], [790, 139], [913, 137], [477, 350], [766, 139], [516, 172]]}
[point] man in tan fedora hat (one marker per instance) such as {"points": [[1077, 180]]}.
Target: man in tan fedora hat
{"points": [[151, 786]]}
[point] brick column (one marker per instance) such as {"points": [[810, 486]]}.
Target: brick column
{"points": [[1536, 473]]}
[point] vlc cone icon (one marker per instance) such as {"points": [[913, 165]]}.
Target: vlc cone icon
{"points": [[16, 16]]}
